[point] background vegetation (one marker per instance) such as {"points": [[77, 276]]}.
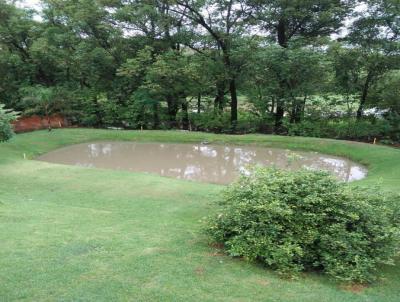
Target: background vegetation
{"points": [[289, 67]]}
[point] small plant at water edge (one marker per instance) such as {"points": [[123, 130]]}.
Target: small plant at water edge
{"points": [[6, 117]]}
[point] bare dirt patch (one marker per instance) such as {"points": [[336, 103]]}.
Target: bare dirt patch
{"points": [[263, 282], [200, 271], [216, 254], [217, 245], [354, 287]]}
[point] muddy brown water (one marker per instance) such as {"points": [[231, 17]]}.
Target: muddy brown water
{"points": [[206, 163]]}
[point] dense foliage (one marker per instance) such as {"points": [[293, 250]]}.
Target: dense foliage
{"points": [[307, 220], [6, 117], [222, 66]]}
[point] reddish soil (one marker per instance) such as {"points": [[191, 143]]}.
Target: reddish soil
{"points": [[30, 123]]}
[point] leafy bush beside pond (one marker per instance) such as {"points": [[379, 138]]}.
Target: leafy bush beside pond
{"points": [[6, 117], [305, 221]]}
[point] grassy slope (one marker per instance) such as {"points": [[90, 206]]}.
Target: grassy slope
{"points": [[70, 233]]}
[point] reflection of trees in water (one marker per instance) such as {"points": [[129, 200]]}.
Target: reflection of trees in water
{"points": [[342, 168], [210, 163], [100, 149]]}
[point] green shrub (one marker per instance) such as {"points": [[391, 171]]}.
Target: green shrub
{"points": [[220, 122], [306, 128], [210, 121], [247, 122], [364, 130], [6, 117], [306, 220], [394, 122]]}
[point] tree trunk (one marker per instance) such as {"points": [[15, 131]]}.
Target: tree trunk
{"points": [[185, 119], [364, 95], [272, 105], [234, 102], [199, 103], [297, 111], [98, 112], [300, 113], [156, 118], [280, 111], [293, 113], [48, 119], [172, 111], [219, 98], [49, 123], [281, 34], [280, 103], [232, 83]]}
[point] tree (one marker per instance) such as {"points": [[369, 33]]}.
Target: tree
{"points": [[135, 71], [18, 31], [170, 77], [298, 22], [44, 101], [224, 23], [386, 93], [150, 63], [304, 71], [85, 48], [374, 44]]}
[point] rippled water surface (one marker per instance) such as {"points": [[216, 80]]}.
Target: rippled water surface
{"points": [[206, 163]]}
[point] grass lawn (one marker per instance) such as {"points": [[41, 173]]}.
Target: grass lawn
{"points": [[78, 234]]}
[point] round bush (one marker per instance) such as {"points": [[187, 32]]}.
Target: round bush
{"points": [[307, 220]]}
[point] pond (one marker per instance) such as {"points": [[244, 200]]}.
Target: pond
{"points": [[200, 162]]}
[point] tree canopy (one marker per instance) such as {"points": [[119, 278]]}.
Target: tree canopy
{"points": [[214, 65]]}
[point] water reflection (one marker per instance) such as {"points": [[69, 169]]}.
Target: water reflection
{"points": [[208, 163]]}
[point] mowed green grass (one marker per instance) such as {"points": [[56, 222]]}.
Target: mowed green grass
{"points": [[78, 234]]}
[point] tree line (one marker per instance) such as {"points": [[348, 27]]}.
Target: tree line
{"points": [[216, 65]]}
